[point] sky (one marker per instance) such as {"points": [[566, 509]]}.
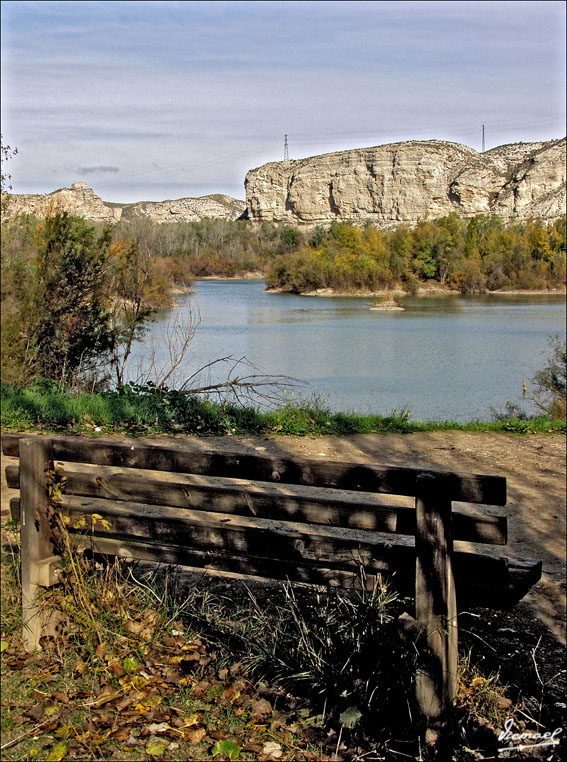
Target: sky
{"points": [[163, 100]]}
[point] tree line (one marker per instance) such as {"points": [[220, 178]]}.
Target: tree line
{"points": [[475, 255], [76, 295]]}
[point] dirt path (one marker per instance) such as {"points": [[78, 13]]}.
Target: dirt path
{"points": [[534, 466]]}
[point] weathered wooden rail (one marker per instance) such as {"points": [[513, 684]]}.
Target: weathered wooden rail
{"points": [[208, 517]]}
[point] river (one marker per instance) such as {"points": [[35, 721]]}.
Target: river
{"points": [[442, 358]]}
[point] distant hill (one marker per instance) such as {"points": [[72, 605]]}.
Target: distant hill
{"points": [[82, 200]]}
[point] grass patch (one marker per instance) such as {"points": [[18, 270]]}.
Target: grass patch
{"points": [[147, 410]]}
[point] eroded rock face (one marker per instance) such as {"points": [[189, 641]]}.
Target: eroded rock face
{"points": [[187, 209], [402, 183], [81, 200]]}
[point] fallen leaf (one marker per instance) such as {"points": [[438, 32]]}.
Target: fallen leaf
{"points": [[200, 689], [194, 736], [156, 747], [130, 664], [261, 708], [64, 731], [100, 650], [191, 719], [272, 749], [126, 701], [254, 748], [219, 735], [152, 701], [158, 727], [36, 712], [57, 752], [97, 739], [105, 698], [172, 675], [226, 748], [132, 682], [121, 734], [142, 629]]}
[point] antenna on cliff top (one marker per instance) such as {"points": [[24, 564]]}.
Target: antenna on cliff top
{"points": [[285, 150], [483, 138]]}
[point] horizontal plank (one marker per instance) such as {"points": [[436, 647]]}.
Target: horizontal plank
{"points": [[524, 574], [245, 535], [498, 594], [257, 567], [13, 477], [286, 541], [472, 488], [253, 500], [481, 580]]}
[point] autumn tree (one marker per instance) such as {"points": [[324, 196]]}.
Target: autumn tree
{"points": [[74, 335]]}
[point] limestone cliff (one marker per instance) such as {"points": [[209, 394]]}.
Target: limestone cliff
{"points": [[401, 183], [81, 200], [186, 209]]}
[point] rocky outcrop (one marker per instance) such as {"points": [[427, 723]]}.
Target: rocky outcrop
{"points": [[402, 183], [81, 200], [186, 209]]}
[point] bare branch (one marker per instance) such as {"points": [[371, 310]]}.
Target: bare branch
{"points": [[250, 388], [243, 383]]}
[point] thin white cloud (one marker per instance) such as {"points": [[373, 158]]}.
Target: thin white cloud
{"points": [[193, 94]]}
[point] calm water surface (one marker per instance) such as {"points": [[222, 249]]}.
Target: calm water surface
{"points": [[442, 358]]}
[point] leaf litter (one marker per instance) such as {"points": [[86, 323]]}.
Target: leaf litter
{"points": [[141, 693]]}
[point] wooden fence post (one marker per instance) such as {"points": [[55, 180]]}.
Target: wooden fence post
{"points": [[435, 602], [36, 549]]}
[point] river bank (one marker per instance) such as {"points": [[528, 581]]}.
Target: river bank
{"points": [[426, 289]]}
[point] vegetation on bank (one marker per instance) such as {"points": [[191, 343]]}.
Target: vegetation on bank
{"points": [[75, 297], [469, 255], [137, 410]]}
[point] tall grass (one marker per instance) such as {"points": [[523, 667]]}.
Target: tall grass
{"points": [[147, 409]]}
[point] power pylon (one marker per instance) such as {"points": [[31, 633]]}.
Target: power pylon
{"points": [[483, 138], [285, 150]]}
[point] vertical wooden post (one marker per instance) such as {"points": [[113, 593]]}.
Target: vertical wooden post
{"points": [[435, 602], [36, 548]]}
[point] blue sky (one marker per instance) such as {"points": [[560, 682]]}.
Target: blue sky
{"points": [[157, 100]]}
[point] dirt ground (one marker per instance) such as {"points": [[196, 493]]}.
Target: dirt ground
{"points": [[534, 466]]}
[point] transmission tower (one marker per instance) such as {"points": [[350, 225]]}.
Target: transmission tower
{"points": [[483, 138], [285, 150]]}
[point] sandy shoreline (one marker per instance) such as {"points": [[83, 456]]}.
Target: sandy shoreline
{"points": [[423, 291]]}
